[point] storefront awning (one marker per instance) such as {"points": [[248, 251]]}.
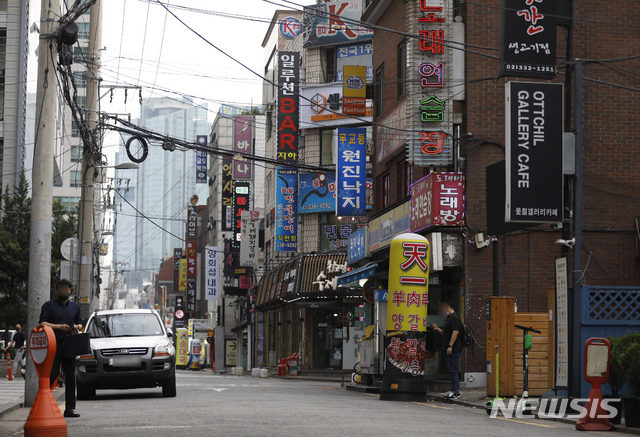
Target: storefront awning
{"points": [[353, 278]]}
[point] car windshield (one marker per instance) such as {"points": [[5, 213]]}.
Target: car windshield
{"points": [[125, 325]]}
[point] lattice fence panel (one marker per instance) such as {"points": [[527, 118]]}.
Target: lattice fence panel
{"points": [[616, 303]]}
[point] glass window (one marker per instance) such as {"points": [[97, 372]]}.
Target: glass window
{"points": [[328, 140], [402, 68], [76, 153], [269, 188], [125, 325], [75, 133], [76, 178], [379, 93], [404, 179], [382, 189], [80, 78]]}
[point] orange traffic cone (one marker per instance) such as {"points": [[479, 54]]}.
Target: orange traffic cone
{"points": [[45, 418]]}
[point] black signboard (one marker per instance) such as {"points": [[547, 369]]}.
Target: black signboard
{"points": [[192, 222], [180, 318], [177, 254], [231, 259], [528, 38], [241, 202], [288, 107], [227, 194], [191, 294], [534, 153]]}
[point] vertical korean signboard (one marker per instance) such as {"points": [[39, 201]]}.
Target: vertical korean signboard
{"points": [[405, 346], [249, 241], [177, 255], [201, 161], [227, 194], [562, 323], [192, 222], [286, 210], [438, 200], [182, 275], [351, 180], [431, 113], [242, 143], [192, 273], [528, 38], [241, 203], [212, 273], [534, 153], [288, 120]]}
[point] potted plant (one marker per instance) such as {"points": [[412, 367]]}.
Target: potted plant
{"points": [[629, 353], [617, 379]]}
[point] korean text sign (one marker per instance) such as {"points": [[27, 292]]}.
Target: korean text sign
{"points": [[192, 222], [334, 23], [534, 153], [288, 120], [192, 273], [242, 143], [201, 161], [408, 283], [438, 200], [286, 210], [241, 203], [227, 194], [249, 240], [528, 38], [212, 273], [182, 284], [351, 180]]}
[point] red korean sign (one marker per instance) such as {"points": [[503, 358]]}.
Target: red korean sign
{"points": [[438, 200], [192, 254]]}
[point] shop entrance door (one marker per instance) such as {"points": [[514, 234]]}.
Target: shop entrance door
{"points": [[327, 339]]}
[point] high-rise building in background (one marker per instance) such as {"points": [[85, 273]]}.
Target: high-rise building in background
{"points": [[14, 25], [162, 187]]}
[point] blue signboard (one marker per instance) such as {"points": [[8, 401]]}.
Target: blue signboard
{"points": [[201, 160], [358, 244], [334, 23], [351, 180], [317, 192], [286, 209]]}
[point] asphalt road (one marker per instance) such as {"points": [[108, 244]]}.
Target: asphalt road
{"points": [[213, 405]]}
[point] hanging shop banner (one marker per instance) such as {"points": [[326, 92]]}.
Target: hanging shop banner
{"points": [[528, 38], [201, 160], [227, 194], [241, 203], [182, 284], [317, 192], [534, 153], [562, 323], [212, 273], [242, 143], [351, 181], [192, 222], [249, 239], [322, 107], [354, 90], [438, 200], [358, 245], [432, 93], [334, 23], [407, 304], [286, 210], [355, 54], [288, 106]]}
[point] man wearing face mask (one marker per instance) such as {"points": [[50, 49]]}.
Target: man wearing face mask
{"points": [[452, 345], [19, 340], [63, 316]]}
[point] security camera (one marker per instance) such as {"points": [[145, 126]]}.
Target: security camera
{"points": [[568, 243]]}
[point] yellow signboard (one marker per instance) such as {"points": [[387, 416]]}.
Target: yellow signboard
{"points": [[354, 90], [182, 275], [408, 283], [182, 347]]}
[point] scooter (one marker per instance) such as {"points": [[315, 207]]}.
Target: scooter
{"points": [[527, 343]]}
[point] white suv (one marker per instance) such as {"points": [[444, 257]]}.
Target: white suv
{"points": [[129, 349]]}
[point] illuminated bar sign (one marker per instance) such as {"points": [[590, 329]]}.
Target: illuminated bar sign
{"points": [[431, 67], [438, 200], [528, 38], [288, 106], [351, 183], [241, 203], [286, 210], [242, 143], [534, 153]]}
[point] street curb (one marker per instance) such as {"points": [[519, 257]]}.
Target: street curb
{"points": [[10, 407]]}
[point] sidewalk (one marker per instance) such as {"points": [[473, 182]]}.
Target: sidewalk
{"points": [[476, 398], [11, 394]]}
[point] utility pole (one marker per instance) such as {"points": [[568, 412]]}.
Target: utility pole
{"points": [[39, 287], [85, 233]]}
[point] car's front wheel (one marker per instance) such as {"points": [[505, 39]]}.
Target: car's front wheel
{"points": [[169, 387], [84, 393]]}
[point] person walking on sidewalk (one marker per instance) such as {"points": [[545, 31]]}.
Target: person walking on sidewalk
{"points": [[63, 316], [452, 345], [19, 341]]}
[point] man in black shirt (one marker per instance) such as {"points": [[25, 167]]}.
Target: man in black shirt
{"points": [[19, 340], [63, 316], [452, 344]]}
